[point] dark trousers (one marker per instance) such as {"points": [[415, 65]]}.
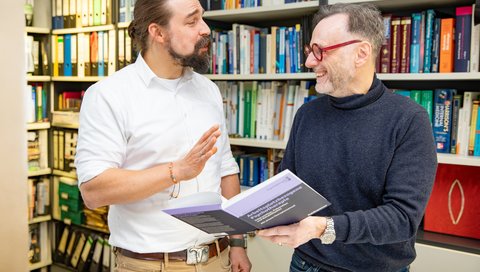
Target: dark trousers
{"points": [[299, 265]]}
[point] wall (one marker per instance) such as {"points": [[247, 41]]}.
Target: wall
{"points": [[13, 149]]}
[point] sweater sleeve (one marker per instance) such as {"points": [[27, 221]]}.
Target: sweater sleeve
{"points": [[408, 184]]}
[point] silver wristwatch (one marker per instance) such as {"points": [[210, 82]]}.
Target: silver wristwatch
{"points": [[328, 235]]}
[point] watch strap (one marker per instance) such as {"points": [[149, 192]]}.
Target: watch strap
{"points": [[237, 242]]}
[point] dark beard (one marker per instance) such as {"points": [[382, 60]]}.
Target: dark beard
{"points": [[200, 62]]}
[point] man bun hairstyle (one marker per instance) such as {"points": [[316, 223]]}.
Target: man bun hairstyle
{"points": [[364, 20], [145, 13]]}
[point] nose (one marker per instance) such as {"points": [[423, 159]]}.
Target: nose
{"points": [[204, 29], [311, 61]]}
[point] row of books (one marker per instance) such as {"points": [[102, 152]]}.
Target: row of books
{"points": [[36, 58], [36, 103], [37, 148], [37, 249], [251, 50], [38, 197], [125, 10], [126, 52], [84, 54], [257, 167], [81, 249], [70, 100], [454, 118], [64, 149], [431, 42], [263, 110], [81, 13], [237, 4]]}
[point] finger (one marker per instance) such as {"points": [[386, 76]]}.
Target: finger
{"points": [[205, 146], [208, 133], [281, 230]]}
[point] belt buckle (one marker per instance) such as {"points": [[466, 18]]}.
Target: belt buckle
{"points": [[197, 254]]}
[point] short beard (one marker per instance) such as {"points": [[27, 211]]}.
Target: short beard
{"points": [[200, 62]]}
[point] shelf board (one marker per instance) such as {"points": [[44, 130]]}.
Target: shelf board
{"points": [[77, 79], [37, 30], [458, 159], [38, 125], [389, 5], [82, 30], [39, 219], [65, 174], [429, 76], [41, 172], [449, 241], [258, 143], [296, 76], [268, 13], [39, 265], [31, 78], [123, 25]]}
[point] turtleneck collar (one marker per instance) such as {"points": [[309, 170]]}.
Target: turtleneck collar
{"points": [[359, 100]]}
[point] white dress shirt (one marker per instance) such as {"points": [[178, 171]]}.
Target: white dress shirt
{"points": [[135, 120]]}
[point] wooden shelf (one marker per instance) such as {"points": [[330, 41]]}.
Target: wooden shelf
{"points": [[39, 265], [31, 78], [77, 79], [41, 172], [65, 119], [269, 13], [296, 76], [449, 241], [39, 125], [83, 29], [430, 76], [459, 160], [389, 5], [123, 24], [37, 30], [65, 174], [39, 219], [258, 143]]}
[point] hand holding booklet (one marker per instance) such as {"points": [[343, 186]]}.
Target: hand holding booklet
{"points": [[281, 200]]}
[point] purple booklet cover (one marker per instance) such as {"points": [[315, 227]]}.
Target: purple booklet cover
{"points": [[281, 200]]}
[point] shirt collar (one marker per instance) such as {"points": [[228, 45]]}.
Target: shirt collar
{"points": [[147, 75]]}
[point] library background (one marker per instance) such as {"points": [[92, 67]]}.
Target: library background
{"points": [[431, 54]]}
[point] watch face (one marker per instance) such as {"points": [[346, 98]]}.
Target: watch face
{"points": [[328, 238]]}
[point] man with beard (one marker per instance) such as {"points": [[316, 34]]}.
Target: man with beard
{"points": [[370, 152], [155, 131]]}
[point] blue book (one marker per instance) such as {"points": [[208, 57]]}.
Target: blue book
{"points": [[67, 53], [415, 43], [256, 52], [427, 62], [281, 49], [101, 54], [442, 119], [476, 147]]}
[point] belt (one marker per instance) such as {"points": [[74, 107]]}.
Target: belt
{"points": [[178, 255]]}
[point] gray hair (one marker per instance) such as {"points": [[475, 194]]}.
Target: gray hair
{"points": [[364, 20]]}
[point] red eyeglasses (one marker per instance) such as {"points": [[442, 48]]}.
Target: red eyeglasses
{"points": [[318, 51]]}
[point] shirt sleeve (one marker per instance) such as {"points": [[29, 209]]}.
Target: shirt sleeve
{"points": [[228, 166], [101, 140]]}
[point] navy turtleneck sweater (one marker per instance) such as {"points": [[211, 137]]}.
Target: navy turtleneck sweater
{"points": [[373, 157]]}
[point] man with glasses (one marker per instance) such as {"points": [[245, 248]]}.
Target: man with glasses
{"points": [[370, 152]]}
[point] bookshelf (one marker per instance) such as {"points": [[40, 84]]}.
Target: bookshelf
{"points": [[38, 125]]}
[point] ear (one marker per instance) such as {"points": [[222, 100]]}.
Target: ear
{"points": [[364, 53], [157, 33]]}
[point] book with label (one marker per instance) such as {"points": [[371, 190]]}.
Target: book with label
{"points": [[281, 200]]}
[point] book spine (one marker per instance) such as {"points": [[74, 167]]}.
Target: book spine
{"points": [[463, 29], [442, 119], [427, 62], [396, 45], [386, 46], [436, 46], [455, 111], [415, 43], [446, 45], [406, 29]]}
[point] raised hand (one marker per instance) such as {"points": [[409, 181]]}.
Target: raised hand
{"points": [[192, 164]]}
